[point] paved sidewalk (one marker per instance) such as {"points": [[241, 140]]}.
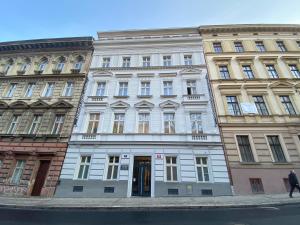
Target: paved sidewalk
{"points": [[159, 203]]}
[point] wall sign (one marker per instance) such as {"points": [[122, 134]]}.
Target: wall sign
{"points": [[124, 167]]}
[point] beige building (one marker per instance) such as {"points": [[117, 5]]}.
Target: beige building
{"points": [[255, 81]]}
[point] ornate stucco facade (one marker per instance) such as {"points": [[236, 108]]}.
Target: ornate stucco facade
{"points": [[255, 80], [41, 83]]}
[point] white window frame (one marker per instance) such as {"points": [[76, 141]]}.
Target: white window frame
{"points": [[68, 90], [146, 61], [197, 122], [11, 90], [188, 59], [94, 121], [18, 171], [84, 164], [126, 61], [192, 84], [113, 165], [48, 90], [168, 89], [35, 124], [14, 123], [172, 165], [59, 120], [29, 90], [103, 88], [106, 62], [143, 122], [145, 90], [119, 121], [200, 165], [167, 60], [174, 121], [123, 91]]}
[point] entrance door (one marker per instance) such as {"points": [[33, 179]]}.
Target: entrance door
{"points": [[40, 177], [141, 183]]}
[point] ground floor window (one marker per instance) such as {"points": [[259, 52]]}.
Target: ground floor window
{"points": [[18, 171], [202, 169], [113, 167], [84, 166], [256, 186], [171, 168]]}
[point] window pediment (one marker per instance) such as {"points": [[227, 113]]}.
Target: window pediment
{"points": [[169, 104], [229, 86], [281, 84], [144, 105], [190, 71], [102, 73], [39, 104], [61, 104], [3, 105], [19, 105], [119, 105]]}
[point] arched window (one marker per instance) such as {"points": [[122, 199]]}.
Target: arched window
{"points": [[24, 66], [60, 64], [8, 66], [43, 64], [78, 63]]}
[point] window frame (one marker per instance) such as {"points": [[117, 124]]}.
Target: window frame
{"points": [[126, 61], [252, 148], [188, 59], [106, 62], [197, 123], [208, 166], [237, 103], [289, 106], [192, 88], [283, 147], [60, 125], [84, 164], [118, 123], [68, 91], [113, 165], [239, 47], [295, 71], [146, 61], [123, 91], [167, 89], [19, 168], [167, 60], [272, 72], [170, 130], [11, 90], [247, 70], [281, 46], [145, 90], [260, 48], [15, 124], [46, 90], [224, 72], [217, 47], [32, 86], [143, 123], [35, 125], [172, 165], [263, 102]]}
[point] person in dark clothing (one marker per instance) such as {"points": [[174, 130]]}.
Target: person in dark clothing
{"points": [[294, 183]]}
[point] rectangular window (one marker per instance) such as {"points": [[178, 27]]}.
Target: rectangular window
{"points": [[287, 104], [224, 72], [188, 60], [18, 171], [113, 168], [239, 46], [100, 91], [298, 43], [146, 61], [144, 122], [196, 123], [171, 168], [13, 124], [84, 166], [217, 47], [256, 186], [191, 87], [93, 123], [260, 105], [233, 105], [260, 46], [11, 90], [167, 60], [294, 70], [245, 148], [123, 89], [126, 61], [169, 123], [272, 71], [247, 70], [58, 124], [48, 92], [202, 169], [281, 46], [118, 127], [145, 88], [68, 89], [168, 87], [106, 62], [29, 90], [35, 125], [276, 148]]}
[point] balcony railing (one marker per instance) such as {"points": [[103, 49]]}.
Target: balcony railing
{"points": [[98, 100], [195, 98]]}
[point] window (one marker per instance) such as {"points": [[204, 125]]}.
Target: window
{"points": [[25, 65], [68, 89], [123, 89], [281, 46], [245, 148], [58, 124], [144, 123], [239, 47], [260, 46], [145, 88], [106, 62], [118, 127], [11, 90], [61, 63], [8, 66], [1, 162], [169, 123], [191, 87], [93, 123], [233, 105], [294, 70], [13, 124], [298, 43], [277, 152], [196, 123], [18, 171], [188, 60], [100, 91], [287, 104], [217, 47], [168, 87], [256, 186], [48, 89], [171, 168], [260, 105], [167, 60], [272, 71], [43, 64], [202, 169], [126, 61], [248, 72], [224, 72], [84, 166], [146, 61], [35, 124], [113, 167], [29, 90], [78, 63]]}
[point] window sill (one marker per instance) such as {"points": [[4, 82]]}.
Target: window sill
{"points": [[144, 96], [282, 163], [250, 163], [168, 96], [46, 98], [65, 97], [120, 96]]}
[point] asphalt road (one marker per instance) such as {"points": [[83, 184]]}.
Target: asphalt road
{"points": [[283, 215]]}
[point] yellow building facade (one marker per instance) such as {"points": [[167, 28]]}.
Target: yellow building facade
{"points": [[255, 83]]}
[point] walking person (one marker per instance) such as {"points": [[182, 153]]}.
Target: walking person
{"points": [[294, 183]]}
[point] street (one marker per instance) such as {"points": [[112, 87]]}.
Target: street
{"points": [[282, 215]]}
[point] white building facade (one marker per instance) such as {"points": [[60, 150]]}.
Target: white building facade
{"points": [[146, 125]]}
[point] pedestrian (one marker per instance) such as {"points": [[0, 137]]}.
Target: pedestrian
{"points": [[294, 183]]}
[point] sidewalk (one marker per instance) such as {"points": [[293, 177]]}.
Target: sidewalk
{"points": [[148, 203]]}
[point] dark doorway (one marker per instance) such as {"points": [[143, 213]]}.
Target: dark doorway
{"points": [[40, 177], [141, 182]]}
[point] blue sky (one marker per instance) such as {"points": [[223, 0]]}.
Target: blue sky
{"points": [[31, 19]]}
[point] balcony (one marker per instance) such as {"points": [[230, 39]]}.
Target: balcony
{"points": [[96, 100], [194, 99]]}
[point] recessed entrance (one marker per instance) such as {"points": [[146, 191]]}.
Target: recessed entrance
{"points": [[40, 177], [141, 179]]}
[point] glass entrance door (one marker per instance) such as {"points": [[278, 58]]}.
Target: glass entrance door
{"points": [[141, 181]]}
